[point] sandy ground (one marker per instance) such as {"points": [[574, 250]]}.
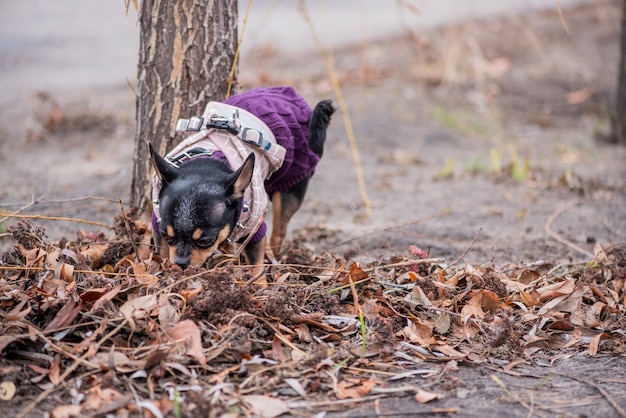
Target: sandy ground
{"points": [[478, 141]]}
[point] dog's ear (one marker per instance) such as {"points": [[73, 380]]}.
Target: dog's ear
{"points": [[166, 172], [241, 178]]}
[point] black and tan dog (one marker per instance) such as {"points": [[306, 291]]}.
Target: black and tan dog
{"points": [[214, 187]]}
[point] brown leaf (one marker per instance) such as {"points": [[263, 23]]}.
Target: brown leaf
{"points": [[138, 308], [528, 276], [423, 396], [555, 290], [140, 270], [168, 314], [89, 339], [93, 254], [419, 333], [63, 271], [528, 299], [17, 314], [188, 331], [144, 249], [303, 332], [579, 96], [33, 257], [189, 294], [277, 350], [55, 370], [595, 343], [599, 253], [265, 406], [442, 324], [449, 351], [497, 67], [110, 360], [417, 297], [597, 293], [491, 303], [102, 299], [99, 397], [66, 411], [40, 371], [155, 358], [562, 325], [66, 315], [473, 307], [346, 389], [356, 272]]}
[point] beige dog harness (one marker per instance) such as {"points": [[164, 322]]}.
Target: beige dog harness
{"points": [[235, 133]]}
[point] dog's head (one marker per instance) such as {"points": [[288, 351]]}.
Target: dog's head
{"points": [[199, 204]]}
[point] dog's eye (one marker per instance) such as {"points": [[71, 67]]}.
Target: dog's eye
{"points": [[171, 241], [205, 242]]}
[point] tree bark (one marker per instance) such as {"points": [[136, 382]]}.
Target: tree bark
{"points": [[619, 123], [186, 51]]}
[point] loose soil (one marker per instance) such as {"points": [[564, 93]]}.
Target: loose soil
{"points": [[480, 143]]}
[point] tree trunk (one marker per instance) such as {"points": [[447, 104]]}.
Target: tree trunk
{"points": [[186, 52], [619, 123]]}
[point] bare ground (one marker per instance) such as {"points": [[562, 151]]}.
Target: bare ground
{"points": [[479, 141]]}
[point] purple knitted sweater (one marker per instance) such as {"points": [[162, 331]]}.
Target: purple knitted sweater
{"points": [[287, 115]]}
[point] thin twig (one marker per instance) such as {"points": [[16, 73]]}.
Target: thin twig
{"points": [[39, 201], [129, 231], [233, 68], [563, 22], [558, 212], [68, 371], [55, 218], [391, 228], [329, 62], [600, 389], [406, 263], [23, 208], [64, 352], [468, 247]]}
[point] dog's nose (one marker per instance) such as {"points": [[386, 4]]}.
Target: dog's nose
{"points": [[182, 262]]}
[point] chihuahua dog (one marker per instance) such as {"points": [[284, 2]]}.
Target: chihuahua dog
{"points": [[213, 188]]}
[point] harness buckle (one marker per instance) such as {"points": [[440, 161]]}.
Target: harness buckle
{"points": [[188, 155], [252, 136], [224, 122], [192, 124]]}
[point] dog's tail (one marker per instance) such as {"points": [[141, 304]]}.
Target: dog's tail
{"points": [[320, 119]]}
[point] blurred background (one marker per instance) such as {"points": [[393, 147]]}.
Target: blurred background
{"points": [[63, 46], [471, 117]]}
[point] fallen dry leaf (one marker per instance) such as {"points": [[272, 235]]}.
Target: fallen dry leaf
{"points": [[99, 397], [579, 96], [297, 337], [66, 411], [188, 331], [345, 389], [54, 372], [138, 308], [497, 67], [66, 315], [423, 396], [265, 406], [93, 254]]}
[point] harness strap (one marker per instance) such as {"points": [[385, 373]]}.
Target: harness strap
{"points": [[234, 133], [187, 155]]}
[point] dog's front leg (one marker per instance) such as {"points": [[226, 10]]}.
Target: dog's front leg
{"points": [[255, 253]]}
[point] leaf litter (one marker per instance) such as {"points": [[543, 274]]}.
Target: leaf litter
{"points": [[107, 326]]}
